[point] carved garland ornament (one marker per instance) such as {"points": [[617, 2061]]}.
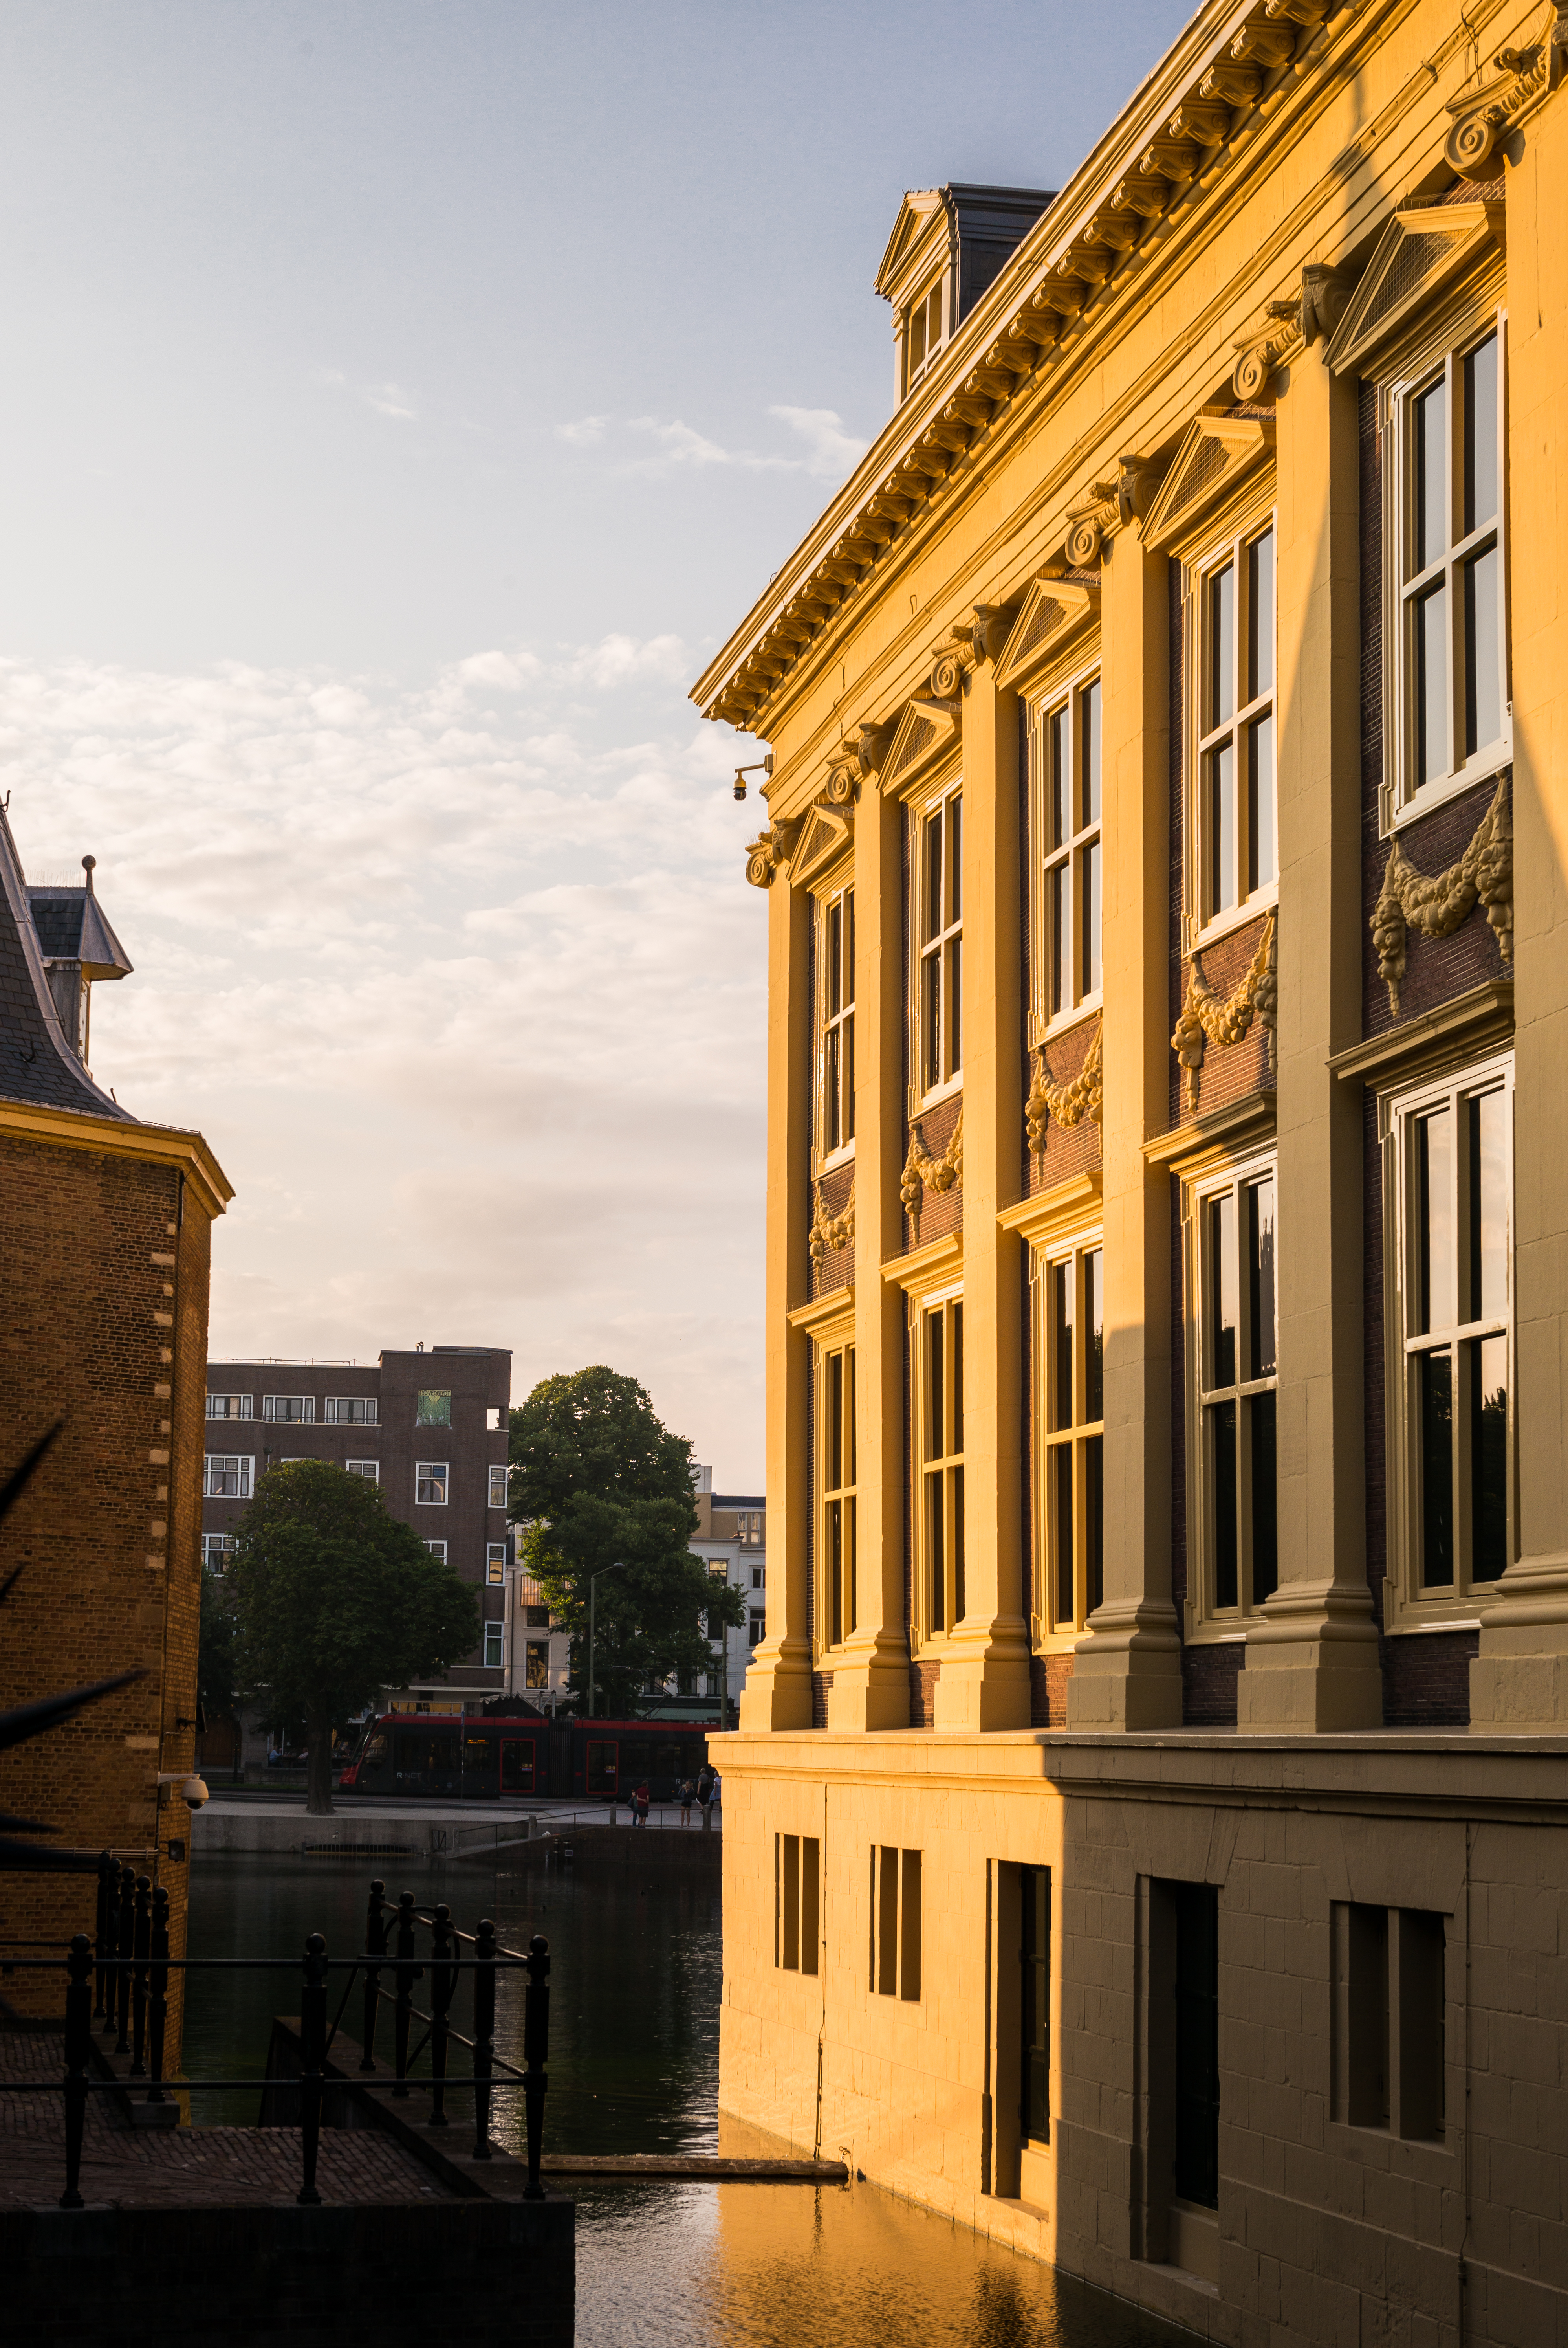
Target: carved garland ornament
{"points": [[830, 1232], [1205, 1015], [1436, 905], [922, 1173], [1069, 1104]]}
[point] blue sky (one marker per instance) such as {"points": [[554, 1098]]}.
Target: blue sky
{"points": [[402, 402]]}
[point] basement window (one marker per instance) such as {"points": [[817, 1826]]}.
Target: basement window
{"points": [[797, 1896]]}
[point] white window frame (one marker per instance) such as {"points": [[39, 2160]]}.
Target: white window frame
{"points": [[1209, 735], [498, 1481], [1069, 1255], [1410, 1601], [834, 914], [370, 1469], [437, 1549], [835, 1450], [242, 1464], [945, 946], [432, 1472], [934, 1470], [220, 1546], [304, 1416], [1206, 1618], [341, 1409], [495, 1637], [495, 1564], [231, 1417], [1081, 836], [1406, 797]]}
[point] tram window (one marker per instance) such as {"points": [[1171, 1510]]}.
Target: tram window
{"points": [[601, 1778], [478, 1755], [425, 1761], [517, 1764], [375, 1751]]}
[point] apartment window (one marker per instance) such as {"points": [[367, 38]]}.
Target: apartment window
{"points": [[1034, 2036], [437, 1549], [1236, 1376], [756, 1576], [1237, 841], [369, 1468], [924, 333], [430, 1483], [939, 1337], [350, 1410], [758, 1626], [498, 1487], [493, 1418], [216, 1549], [894, 1923], [292, 1410], [1453, 714], [836, 1051], [797, 1893], [536, 1664], [227, 1406], [1454, 1160], [492, 1646], [940, 981], [749, 1533], [1072, 1289], [434, 1409], [1072, 869], [1390, 2019], [838, 1474], [494, 1563], [225, 1478]]}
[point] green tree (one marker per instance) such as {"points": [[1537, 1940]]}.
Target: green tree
{"points": [[605, 1483], [336, 1599], [220, 1672]]}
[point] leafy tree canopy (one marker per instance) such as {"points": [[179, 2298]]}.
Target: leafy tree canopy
{"points": [[220, 1673], [605, 1483], [337, 1599]]}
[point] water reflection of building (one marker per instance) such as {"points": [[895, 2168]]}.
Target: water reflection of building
{"points": [[103, 1275], [1143, 1834]]}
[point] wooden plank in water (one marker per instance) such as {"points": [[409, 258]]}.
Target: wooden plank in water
{"points": [[697, 2167]]}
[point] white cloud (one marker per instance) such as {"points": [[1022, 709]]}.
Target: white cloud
{"points": [[830, 452], [387, 399], [586, 433], [463, 985]]}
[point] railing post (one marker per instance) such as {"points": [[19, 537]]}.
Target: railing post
{"points": [[312, 2054], [126, 1941], [111, 1944], [141, 1949], [536, 2055], [483, 2035], [108, 1902], [442, 1981], [78, 2046], [374, 1946], [407, 1973], [158, 2000]]}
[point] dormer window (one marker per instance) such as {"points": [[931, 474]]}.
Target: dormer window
{"points": [[925, 332]]}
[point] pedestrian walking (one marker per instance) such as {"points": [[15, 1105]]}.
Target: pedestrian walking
{"points": [[705, 1794], [640, 1805], [688, 1794], [715, 1793]]}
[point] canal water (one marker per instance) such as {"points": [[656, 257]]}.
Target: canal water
{"points": [[634, 2037]]}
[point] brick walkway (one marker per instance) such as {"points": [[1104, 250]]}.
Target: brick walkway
{"points": [[179, 2167]]}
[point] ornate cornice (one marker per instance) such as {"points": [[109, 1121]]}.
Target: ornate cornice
{"points": [[1176, 140], [1436, 905], [1205, 1015]]}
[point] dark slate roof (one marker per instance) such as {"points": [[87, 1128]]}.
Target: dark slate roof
{"points": [[71, 928], [37, 1063]]}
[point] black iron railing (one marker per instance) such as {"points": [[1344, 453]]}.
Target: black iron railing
{"points": [[131, 1964]]}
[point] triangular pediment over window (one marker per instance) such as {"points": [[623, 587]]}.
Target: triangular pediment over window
{"points": [[1421, 250], [1052, 612], [1215, 453], [914, 212], [926, 730], [823, 832]]}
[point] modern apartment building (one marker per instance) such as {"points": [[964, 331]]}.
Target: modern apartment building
{"points": [[1146, 1831], [428, 1427], [731, 1536]]}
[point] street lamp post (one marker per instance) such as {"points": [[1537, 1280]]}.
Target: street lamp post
{"points": [[593, 1582]]}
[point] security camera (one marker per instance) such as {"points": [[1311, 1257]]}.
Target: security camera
{"points": [[193, 1792]]}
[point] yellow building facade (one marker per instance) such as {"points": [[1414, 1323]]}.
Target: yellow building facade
{"points": [[1145, 1830]]}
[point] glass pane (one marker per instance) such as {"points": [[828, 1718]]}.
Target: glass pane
{"points": [[1061, 1317], [847, 1078], [957, 1377], [955, 1498], [1035, 2035], [1487, 1117], [1060, 1458], [1489, 1458], [832, 1135], [1094, 1521], [832, 944], [1260, 849], [936, 1446], [1260, 615], [1480, 434], [931, 1020], [956, 860], [1222, 827], [835, 1573], [934, 318], [1431, 685], [1434, 1434], [848, 1427], [954, 1005], [937, 1536], [1058, 919], [835, 1429], [1089, 860], [847, 955], [1056, 776], [1093, 1336], [1482, 651], [1429, 413], [849, 1566], [1089, 748], [1222, 1459], [934, 875], [1221, 648], [1220, 1214], [1260, 1278], [1435, 1304], [1260, 1411]]}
